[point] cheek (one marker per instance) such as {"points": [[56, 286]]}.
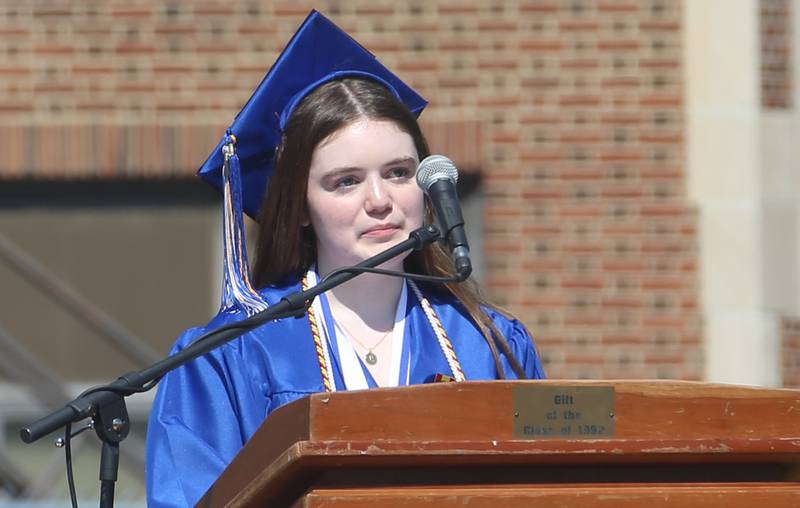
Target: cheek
{"points": [[415, 207], [327, 214]]}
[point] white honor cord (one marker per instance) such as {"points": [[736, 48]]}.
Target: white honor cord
{"points": [[438, 329]]}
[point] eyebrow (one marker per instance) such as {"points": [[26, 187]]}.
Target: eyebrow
{"points": [[347, 169], [400, 160]]}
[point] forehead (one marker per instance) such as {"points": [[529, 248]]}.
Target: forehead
{"points": [[363, 144]]}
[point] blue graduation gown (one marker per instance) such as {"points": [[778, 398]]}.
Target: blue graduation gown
{"points": [[205, 411]]}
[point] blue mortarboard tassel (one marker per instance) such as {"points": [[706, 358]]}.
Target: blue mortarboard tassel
{"points": [[237, 292], [319, 52]]}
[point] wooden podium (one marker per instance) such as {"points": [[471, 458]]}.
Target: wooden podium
{"points": [[544, 444]]}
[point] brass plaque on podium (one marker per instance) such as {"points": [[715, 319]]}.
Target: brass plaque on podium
{"points": [[564, 412]]}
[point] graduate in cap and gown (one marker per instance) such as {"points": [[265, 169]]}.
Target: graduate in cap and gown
{"points": [[324, 154]]}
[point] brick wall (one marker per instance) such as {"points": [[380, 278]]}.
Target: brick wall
{"points": [[576, 114], [790, 352], [776, 53]]}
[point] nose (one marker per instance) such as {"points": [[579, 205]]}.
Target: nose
{"points": [[377, 199]]}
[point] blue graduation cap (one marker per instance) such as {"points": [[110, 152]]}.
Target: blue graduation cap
{"points": [[319, 52]]}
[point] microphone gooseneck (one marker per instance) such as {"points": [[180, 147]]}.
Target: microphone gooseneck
{"points": [[437, 177]]}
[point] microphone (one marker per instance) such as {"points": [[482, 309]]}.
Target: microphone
{"points": [[437, 176]]}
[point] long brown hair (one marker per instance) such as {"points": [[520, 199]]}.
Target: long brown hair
{"points": [[286, 247]]}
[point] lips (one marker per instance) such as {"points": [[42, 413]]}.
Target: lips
{"points": [[381, 230]]}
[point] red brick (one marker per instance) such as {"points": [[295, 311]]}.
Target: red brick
{"points": [[543, 265], [541, 155], [539, 6], [458, 8], [459, 44], [458, 82], [623, 265], [16, 107], [505, 137], [621, 82], [662, 283], [631, 155], [290, 9], [659, 26], [14, 31], [211, 9], [375, 10], [417, 25], [175, 29], [618, 6], [14, 70], [662, 247], [621, 302], [582, 137], [176, 69], [54, 49], [540, 119], [135, 48], [418, 64], [131, 11], [623, 229], [62, 11], [583, 283], [214, 49], [148, 88], [661, 100], [676, 210], [544, 301], [544, 45], [583, 319], [579, 26], [618, 45], [623, 192], [541, 193], [583, 248], [621, 118], [497, 25], [257, 29], [579, 63], [665, 173], [664, 358], [661, 137], [497, 64], [659, 63], [53, 88], [499, 102], [540, 82]]}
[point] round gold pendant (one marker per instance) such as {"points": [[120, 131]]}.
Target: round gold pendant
{"points": [[371, 358]]}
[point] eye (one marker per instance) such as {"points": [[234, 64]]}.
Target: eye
{"points": [[345, 181], [399, 172]]}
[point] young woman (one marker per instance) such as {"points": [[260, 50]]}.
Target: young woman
{"points": [[343, 189]]}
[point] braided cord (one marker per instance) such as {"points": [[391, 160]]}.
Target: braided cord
{"points": [[320, 345], [441, 334]]}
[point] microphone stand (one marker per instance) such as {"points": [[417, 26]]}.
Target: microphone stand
{"points": [[106, 404]]}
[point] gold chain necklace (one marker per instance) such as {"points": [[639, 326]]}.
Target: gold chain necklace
{"points": [[371, 358]]}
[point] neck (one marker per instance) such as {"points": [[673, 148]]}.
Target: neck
{"points": [[371, 298]]}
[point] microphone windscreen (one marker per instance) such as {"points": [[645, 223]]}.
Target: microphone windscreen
{"points": [[434, 168]]}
